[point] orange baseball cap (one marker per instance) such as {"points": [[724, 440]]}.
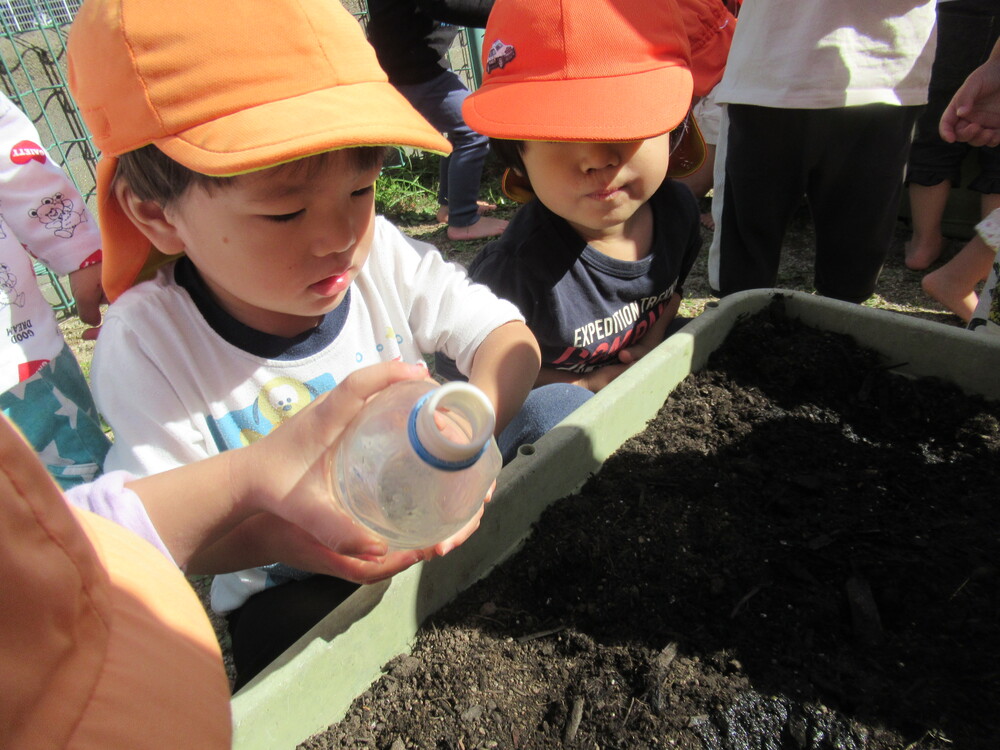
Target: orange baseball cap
{"points": [[223, 92], [582, 70]]}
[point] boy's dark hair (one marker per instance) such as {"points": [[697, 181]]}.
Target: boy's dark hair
{"points": [[509, 152], [152, 175]]}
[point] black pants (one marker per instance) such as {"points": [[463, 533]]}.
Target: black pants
{"points": [[848, 162], [274, 619], [966, 35]]}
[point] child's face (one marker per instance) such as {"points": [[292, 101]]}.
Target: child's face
{"points": [[596, 187], [278, 248]]}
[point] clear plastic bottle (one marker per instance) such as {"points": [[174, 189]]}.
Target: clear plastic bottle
{"points": [[415, 464]]}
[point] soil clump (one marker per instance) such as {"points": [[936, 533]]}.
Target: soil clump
{"points": [[799, 551]]}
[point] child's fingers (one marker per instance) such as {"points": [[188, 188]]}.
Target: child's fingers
{"points": [[346, 400], [365, 571], [291, 463], [456, 540]]}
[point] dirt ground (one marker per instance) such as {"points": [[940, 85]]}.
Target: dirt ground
{"points": [[800, 551]]}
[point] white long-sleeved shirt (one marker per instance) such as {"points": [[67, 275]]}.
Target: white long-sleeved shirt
{"points": [[43, 216]]}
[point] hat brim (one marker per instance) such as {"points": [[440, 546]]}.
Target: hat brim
{"points": [[623, 108], [105, 642], [259, 138], [282, 131]]}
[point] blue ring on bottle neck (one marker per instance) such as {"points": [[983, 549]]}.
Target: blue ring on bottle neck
{"points": [[428, 458]]}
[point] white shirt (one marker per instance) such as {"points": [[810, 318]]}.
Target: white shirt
{"points": [[174, 390], [797, 54], [41, 216]]}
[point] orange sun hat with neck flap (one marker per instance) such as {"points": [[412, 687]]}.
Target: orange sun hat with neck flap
{"points": [[225, 91], [582, 70]]}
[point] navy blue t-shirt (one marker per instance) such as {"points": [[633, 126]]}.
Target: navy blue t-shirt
{"points": [[583, 306]]}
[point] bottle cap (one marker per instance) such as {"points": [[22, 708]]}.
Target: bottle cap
{"points": [[437, 448]]}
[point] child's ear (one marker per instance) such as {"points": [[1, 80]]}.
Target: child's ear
{"points": [[151, 220]]}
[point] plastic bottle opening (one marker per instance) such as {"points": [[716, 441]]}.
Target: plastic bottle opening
{"points": [[454, 443]]}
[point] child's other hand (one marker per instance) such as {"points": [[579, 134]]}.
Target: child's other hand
{"points": [[597, 379], [443, 548], [654, 336], [85, 286]]}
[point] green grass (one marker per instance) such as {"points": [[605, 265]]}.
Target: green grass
{"points": [[407, 189]]}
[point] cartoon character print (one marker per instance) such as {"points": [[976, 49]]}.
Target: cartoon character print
{"points": [[9, 295], [56, 214], [278, 401]]}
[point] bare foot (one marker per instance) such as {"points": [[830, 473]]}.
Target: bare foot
{"points": [[920, 255], [485, 227], [939, 285], [708, 222], [484, 208]]}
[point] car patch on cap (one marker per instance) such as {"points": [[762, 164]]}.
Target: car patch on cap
{"points": [[500, 54]]}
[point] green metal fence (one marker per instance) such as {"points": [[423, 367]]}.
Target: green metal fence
{"points": [[33, 75]]}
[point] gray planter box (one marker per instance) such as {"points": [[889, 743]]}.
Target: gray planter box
{"points": [[314, 682]]}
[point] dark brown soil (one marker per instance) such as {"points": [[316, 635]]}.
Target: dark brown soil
{"points": [[800, 551]]}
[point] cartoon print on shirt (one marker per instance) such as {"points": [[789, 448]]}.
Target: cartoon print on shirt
{"points": [[277, 401], [9, 294], [390, 335], [282, 398], [3, 232], [56, 213]]}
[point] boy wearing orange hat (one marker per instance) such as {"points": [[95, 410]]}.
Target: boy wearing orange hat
{"points": [[580, 98], [244, 148]]}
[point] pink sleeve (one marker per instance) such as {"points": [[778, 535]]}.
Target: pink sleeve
{"points": [[108, 496]]}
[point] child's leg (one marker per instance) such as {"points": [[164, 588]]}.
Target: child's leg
{"points": [[964, 39], [927, 204], [464, 165], [762, 183], [544, 408], [954, 283], [440, 101], [854, 189], [55, 410]]}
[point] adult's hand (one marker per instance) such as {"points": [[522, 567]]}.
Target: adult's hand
{"points": [[973, 115]]}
